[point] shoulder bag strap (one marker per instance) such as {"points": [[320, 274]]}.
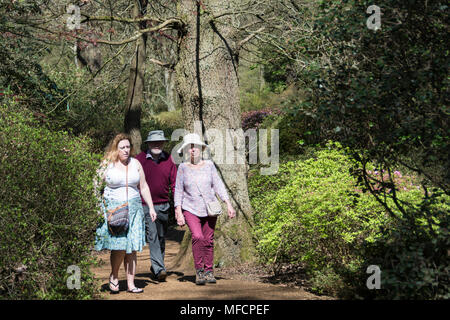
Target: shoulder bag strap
{"points": [[126, 181], [126, 186]]}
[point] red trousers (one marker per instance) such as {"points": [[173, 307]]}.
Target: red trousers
{"points": [[202, 230]]}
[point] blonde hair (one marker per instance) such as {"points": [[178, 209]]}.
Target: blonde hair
{"points": [[112, 150]]}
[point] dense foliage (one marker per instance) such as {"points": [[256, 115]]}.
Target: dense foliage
{"points": [[19, 53], [314, 213], [322, 75], [383, 95], [383, 92], [48, 209], [390, 97]]}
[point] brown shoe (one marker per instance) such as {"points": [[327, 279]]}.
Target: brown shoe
{"points": [[200, 277], [162, 275], [209, 277]]}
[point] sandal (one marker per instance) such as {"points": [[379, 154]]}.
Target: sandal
{"points": [[135, 290], [113, 291]]}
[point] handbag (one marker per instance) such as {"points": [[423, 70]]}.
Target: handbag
{"points": [[213, 208], [118, 219]]}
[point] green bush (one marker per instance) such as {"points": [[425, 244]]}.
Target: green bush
{"points": [[413, 255], [171, 119], [48, 209], [318, 216], [314, 213]]}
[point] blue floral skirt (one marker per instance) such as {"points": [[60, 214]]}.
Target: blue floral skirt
{"points": [[134, 240]]}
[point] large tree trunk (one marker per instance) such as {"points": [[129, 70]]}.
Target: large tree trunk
{"points": [[135, 94], [207, 83]]}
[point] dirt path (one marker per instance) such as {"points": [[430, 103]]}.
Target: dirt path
{"points": [[180, 283]]}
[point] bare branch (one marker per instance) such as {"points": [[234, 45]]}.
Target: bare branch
{"points": [[120, 19], [173, 23], [162, 64], [248, 38]]}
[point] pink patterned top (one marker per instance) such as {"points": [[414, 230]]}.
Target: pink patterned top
{"points": [[190, 180]]}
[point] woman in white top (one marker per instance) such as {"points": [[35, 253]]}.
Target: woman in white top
{"points": [[124, 246]]}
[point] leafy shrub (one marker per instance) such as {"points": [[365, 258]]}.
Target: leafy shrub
{"points": [[317, 217], [296, 133], [316, 214], [171, 119], [262, 96], [297, 130], [414, 253], [48, 209], [20, 71], [252, 99]]}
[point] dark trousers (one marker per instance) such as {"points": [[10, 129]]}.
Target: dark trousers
{"points": [[155, 235]]}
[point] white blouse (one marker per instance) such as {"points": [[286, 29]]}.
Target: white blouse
{"points": [[116, 182]]}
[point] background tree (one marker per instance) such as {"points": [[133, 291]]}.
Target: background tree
{"points": [[136, 82], [207, 84]]}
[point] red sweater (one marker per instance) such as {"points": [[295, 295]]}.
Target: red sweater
{"points": [[160, 176]]}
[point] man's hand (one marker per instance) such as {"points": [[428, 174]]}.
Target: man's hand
{"points": [[152, 214]]}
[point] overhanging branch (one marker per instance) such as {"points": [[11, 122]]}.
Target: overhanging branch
{"points": [[121, 19], [173, 23], [162, 64]]}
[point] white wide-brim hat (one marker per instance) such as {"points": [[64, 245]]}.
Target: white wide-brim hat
{"points": [[191, 138]]}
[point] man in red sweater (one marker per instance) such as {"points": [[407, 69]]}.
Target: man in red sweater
{"points": [[160, 173]]}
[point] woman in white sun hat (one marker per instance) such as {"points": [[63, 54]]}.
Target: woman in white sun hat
{"points": [[198, 183]]}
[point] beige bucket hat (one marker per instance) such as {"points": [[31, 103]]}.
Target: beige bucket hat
{"points": [[191, 138]]}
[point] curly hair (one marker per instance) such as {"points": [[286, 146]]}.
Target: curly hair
{"points": [[112, 150]]}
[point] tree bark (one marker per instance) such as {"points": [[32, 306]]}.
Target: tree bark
{"points": [[171, 94], [207, 83], [262, 81], [135, 94]]}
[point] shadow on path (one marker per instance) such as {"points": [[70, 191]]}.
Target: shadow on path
{"points": [[180, 284]]}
